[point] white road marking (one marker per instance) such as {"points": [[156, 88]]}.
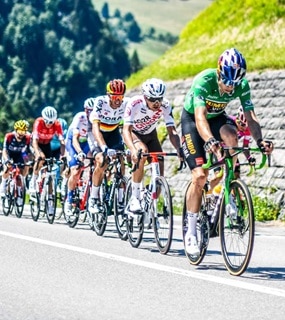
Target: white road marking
{"points": [[155, 266]]}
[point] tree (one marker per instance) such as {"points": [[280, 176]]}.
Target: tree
{"points": [[105, 11], [135, 62]]}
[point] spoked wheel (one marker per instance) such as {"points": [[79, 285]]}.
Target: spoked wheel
{"points": [[7, 201], [100, 219], [35, 206], [119, 209], [162, 220], [20, 199], [72, 219], [51, 200], [237, 228], [135, 222], [59, 200], [203, 231]]}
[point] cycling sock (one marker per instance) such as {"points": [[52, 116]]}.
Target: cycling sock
{"points": [[95, 191], [192, 222], [136, 189]]}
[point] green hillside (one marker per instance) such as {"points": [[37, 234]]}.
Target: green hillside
{"points": [[255, 27]]}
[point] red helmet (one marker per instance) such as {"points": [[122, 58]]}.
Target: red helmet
{"points": [[116, 87]]}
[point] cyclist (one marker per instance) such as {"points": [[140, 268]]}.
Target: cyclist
{"points": [[205, 123], [15, 150], [55, 142], [79, 142], [106, 118], [44, 128], [139, 131]]}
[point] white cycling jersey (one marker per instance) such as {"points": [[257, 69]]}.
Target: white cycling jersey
{"points": [[143, 119], [82, 126], [108, 117]]}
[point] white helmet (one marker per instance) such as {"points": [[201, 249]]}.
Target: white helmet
{"points": [[49, 114], [153, 88], [89, 103]]}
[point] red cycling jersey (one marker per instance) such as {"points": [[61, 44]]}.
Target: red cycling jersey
{"points": [[44, 134]]}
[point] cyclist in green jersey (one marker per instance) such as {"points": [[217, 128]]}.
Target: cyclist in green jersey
{"points": [[205, 124]]}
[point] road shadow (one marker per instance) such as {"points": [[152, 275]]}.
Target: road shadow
{"points": [[265, 273]]}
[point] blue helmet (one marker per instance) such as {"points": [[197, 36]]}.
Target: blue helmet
{"points": [[231, 67]]}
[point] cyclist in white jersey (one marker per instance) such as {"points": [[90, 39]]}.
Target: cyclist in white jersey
{"points": [[106, 117], [79, 144], [139, 130]]}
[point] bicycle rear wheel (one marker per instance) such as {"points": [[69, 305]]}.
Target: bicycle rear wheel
{"points": [[20, 199], [7, 201], [135, 222], [203, 230], [237, 229], [119, 212], [163, 221], [50, 201]]}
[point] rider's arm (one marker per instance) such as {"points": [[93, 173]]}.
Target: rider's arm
{"points": [[174, 138], [127, 136], [75, 141], [98, 135], [253, 125]]}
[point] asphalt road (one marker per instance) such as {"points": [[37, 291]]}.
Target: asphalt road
{"points": [[55, 272]]}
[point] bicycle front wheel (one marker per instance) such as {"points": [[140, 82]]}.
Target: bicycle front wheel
{"points": [[162, 216], [20, 199], [237, 228], [119, 210], [135, 222], [7, 201], [51, 199]]}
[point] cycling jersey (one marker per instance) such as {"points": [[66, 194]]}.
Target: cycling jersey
{"points": [[243, 135], [205, 92], [108, 117], [144, 120], [13, 146], [80, 126], [44, 134]]}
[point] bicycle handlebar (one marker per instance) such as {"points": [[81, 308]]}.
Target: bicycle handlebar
{"points": [[156, 155], [212, 163]]}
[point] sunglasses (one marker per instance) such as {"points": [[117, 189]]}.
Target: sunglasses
{"points": [[115, 97], [21, 132], [230, 83], [49, 122], [150, 99]]}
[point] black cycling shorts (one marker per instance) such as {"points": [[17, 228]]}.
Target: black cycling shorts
{"points": [[192, 143]]}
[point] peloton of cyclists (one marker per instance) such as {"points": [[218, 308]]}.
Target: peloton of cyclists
{"points": [[139, 131], [205, 123], [15, 150], [106, 117]]}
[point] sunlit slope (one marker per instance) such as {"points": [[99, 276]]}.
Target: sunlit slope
{"points": [[255, 27]]}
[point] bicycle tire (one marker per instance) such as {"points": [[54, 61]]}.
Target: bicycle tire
{"points": [[7, 201], [237, 233], [100, 219], [203, 230], [135, 222], [120, 216], [72, 220], [35, 207], [51, 200], [59, 200], [20, 208], [163, 222]]}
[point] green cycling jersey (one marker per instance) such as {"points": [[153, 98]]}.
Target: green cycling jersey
{"points": [[205, 93]]}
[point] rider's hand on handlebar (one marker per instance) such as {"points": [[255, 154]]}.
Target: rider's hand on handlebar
{"points": [[251, 160], [213, 146], [265, 146], [8, 163], [110, 152], [81, 156]]}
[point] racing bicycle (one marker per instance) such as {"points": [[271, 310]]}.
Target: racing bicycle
{"points": [[230, 215]]}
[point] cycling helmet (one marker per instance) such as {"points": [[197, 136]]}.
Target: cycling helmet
{"points": [[89, 103], [21, 125], [240, 115], [231, 67], [49, 114], [116, 87], [153, 88]]}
